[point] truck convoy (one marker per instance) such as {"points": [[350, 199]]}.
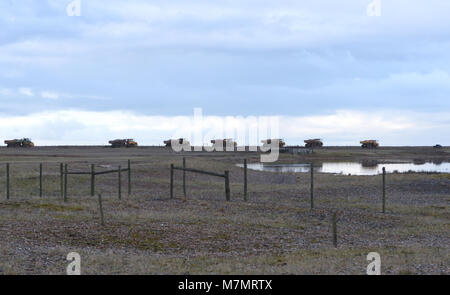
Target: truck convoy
{"points": [[228, 142], [117, 143], [24, 142]]}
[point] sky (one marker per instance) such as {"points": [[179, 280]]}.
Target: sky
{"points": [[137, 69]]}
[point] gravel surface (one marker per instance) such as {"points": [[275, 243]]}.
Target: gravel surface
{"points": [[274, 232]]}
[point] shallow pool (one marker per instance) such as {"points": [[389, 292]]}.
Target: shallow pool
{"points": [[352, 168]]}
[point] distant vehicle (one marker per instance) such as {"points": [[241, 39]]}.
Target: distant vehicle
{"points": [[24, 142], [438, 146], [267, 142], [227, 142], [369, 163], [117, 143], [181, 141], [313, 143], [369, 144]]}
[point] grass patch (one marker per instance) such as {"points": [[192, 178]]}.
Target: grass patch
{"points": [[56, 207]]}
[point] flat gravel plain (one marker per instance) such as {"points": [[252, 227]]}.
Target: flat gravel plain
{"points": [[274, 232]]}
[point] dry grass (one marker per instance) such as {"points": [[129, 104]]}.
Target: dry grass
{"points": [[275, 232]]}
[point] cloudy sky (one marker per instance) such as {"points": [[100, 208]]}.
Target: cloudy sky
{"points": [[324, 68]]}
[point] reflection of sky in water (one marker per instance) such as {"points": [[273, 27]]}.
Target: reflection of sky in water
{"points": [[352, 168]]}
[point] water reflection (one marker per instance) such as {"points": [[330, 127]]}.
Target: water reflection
{"points": [[355, 168]]}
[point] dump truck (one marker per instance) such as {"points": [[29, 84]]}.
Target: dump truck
{"points": [[181, 141], [369, 144], [313, 143], [268, 142], [227, 142], [117, 143], [24, 142]]}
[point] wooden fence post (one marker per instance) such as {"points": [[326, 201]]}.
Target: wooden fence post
{"points": [[184, 178], [7, 181], [61, 179], [92, 180], [245, 179], [227, 185], [101, 209], [40, 180], [384, 190], [129, 177], [334, 230], [171, 181], [312, 185], [65, 182], [120, 183]]}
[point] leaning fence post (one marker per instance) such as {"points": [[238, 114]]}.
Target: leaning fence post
{"points": [[334, 230], [7, 181], [171, 181], [227, 185], [129, 177], [40, 180], [101, 209], [245, 179], [92, 180], [61, 179], [312, 185], [384, 189], [184, 178], [120, 183], [65, 182]]}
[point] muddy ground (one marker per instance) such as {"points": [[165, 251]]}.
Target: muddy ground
{"points": [[274, 232]]}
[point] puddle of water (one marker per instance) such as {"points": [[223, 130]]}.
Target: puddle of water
{"points": [[352, 168]]}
